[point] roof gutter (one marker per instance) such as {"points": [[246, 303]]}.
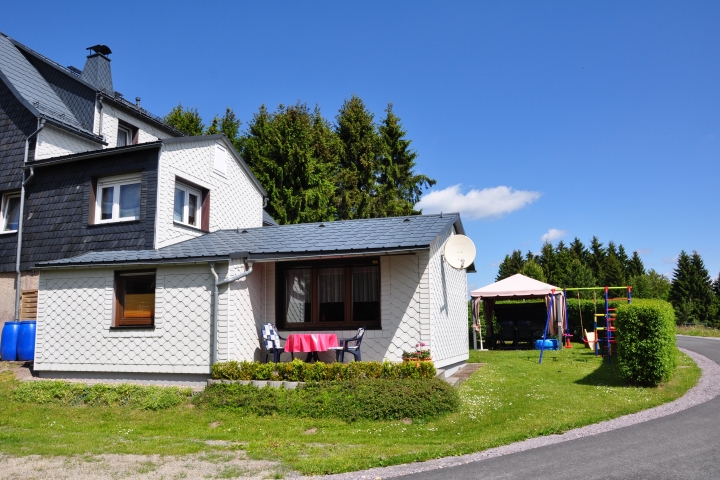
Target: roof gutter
{"points": [[214, 326], [21, 214]]}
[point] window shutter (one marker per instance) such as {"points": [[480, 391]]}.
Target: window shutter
{"points": [[220, 159], [205, 213], [93, 201]]}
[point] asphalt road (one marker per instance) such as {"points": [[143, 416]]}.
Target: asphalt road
{"points": [[685, 445]]}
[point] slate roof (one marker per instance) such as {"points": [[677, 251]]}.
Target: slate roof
{"points": [[370, 236], [32, 87], [28, 74], [268, 220]]}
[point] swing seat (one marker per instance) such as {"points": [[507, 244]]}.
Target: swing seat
{"points": [[589, 339]]}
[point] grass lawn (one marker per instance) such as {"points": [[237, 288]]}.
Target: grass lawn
{"points": [[698, 331], [510, 398]]}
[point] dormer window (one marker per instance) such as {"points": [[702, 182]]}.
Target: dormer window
{"points": [[188, 205], [127, 134], [118, 199]]}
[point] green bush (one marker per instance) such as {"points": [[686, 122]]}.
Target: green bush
{"points": [[646, 341], [377, 399], [588, 309], [299, 371], [135, 396]]}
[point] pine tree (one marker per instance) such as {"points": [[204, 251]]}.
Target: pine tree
{"points": [[511, 265], [716, 286], [680, 288], [612, 274], [399, 187], [691, 290], [701, 288], [356, 182], [579, 276], [635, 266], [624, 260], [187, 120], [547, 261]]}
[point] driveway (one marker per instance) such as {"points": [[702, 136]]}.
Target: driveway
{"points": [[684, 445]]}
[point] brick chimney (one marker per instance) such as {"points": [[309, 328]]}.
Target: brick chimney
{"points": [[97, 69]]}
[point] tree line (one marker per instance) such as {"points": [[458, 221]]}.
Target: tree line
{"points": [[316, 170], [692, 292]]}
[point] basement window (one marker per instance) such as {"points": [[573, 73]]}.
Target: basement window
{"points": [[10, 212]]}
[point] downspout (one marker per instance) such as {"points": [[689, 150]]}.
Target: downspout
{"points": [[213, 339], [100, 114], [21, 214]]}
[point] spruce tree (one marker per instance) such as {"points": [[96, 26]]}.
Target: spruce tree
{"points": [[701, 288], [635, 266], [596, 257], [579, 252], [356, 182], [228, 124], [716, 286], [624, 260], [399, 186], [511, 265], [579, 276], [691, 290], [294, 153], [612, 274], [547, 261]]}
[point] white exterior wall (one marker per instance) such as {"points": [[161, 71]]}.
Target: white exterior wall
{"points": [[75, 313], [448, 307], [235, 201], [404, 309], [245, 302], [55, 142], [111, 115]]}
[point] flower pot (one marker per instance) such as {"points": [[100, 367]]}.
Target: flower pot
{"points": [[417, 360]]}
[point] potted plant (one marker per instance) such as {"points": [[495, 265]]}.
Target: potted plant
{"points": [[420, 354]]}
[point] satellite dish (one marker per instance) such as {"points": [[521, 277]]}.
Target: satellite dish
{"points": [[459, 251]]}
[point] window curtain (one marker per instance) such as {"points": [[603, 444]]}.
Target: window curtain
{"points": [[331, 285], [365, 283], [297, 288]]}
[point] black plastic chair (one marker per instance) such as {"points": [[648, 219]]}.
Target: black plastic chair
{"points": [[349, 345], [507, 334], [272, 343], [525, 333]]}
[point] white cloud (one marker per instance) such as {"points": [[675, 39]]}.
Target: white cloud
{"points": [[670, 260], [553, 234], [644, 251], [486, 203]]}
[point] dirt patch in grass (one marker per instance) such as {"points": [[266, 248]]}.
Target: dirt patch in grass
{"points": [[110, 466]]}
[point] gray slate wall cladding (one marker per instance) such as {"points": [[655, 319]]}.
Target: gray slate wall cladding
{"points": [[79, 98], [57, 209], [16, 122]]}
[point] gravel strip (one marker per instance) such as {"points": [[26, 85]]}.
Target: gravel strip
{"points": [[707, 388]]}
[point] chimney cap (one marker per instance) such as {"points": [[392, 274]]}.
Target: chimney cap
{"points": [[102, 49]]}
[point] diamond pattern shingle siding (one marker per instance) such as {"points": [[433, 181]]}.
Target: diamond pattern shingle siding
{"points": [[348, 236], [75, 315]]}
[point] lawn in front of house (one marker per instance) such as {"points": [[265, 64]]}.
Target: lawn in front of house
{"points": [[697, 331], [510, 398]]}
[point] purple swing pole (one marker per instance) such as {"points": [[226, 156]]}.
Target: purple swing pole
{"points": [[547, 324]]}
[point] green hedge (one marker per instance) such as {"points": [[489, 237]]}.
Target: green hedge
{"points": [[299, 371], [123, 395], [646, 341], [377, 399], [587, 307]]}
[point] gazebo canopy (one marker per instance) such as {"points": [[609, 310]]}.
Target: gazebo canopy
{"points": [[517, 286]]}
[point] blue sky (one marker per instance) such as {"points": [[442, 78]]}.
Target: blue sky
{"points": [[595, 118]]}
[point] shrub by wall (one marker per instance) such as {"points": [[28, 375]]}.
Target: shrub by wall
{"points": [[646, 341], [374, 399], [299, 371], [123, 395]]}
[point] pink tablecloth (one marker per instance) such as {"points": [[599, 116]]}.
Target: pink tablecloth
{"points": [[310, 342]]}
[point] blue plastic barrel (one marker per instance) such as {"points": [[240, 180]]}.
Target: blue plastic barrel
{"points": [[8, 342], [26, 341]]}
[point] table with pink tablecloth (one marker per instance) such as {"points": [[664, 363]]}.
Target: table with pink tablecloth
{"points": [[310, 342]]}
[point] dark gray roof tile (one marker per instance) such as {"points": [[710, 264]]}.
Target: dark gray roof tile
{"points": [[348, 236]]}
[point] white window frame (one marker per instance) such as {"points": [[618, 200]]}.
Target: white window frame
{"points": [[116, 182], [186, 205], [3, 214], [128, 133]]}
